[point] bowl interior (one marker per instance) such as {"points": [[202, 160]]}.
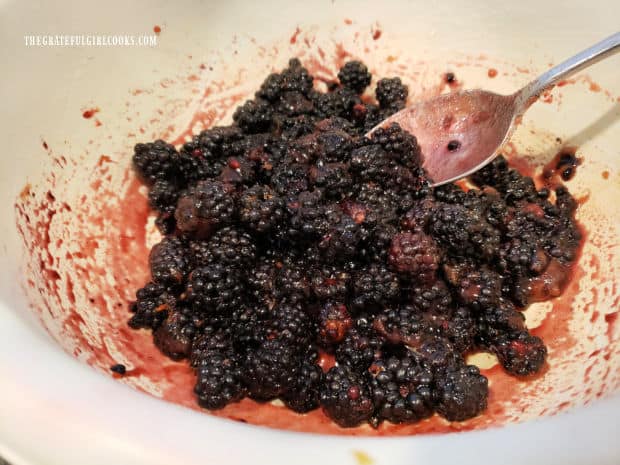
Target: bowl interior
{"points": [[80, 231]]}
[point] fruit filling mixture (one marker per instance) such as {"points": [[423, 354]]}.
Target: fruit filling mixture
{"points": [[290, 238]]}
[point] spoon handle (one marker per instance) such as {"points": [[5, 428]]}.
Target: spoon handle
{"points": [[606, 47]]}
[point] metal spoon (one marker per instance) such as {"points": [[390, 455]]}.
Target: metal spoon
{"points": [[461, 132]]}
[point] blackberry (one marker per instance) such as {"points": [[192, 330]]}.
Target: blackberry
{"points": [[215, 288], [309, 216], [522, 256], [360, 347], [296, 127], [290, 178], [248, 326], [401, 390], [329, 282], [464, 231], [402, 325], [209, 205], [334, 322], [210, 340], [494, 322], [260, 208], [295, 103], [399, 144], [510, 183], [271, 88], [289, 322], [374, 287], [163, 196], [218, 381], [118, 368], [153, 302], [261, 280], [435, 298], [475, 285], [371, 163], [254, 116], [339, 102], [436, 352], [341, 239], [215, 143], [155, 161], [355, 76], [520, 353], [334, 178], [391, 93], [271, 369], [416, 255], [168, 261], [303, 396], [334, 145], [460, 329], [174, 336], [231, 247], [296, 78], [292, 282], [345, 397], [460, 393]]}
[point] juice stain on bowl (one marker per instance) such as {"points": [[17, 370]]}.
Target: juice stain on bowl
{"points": [[87, 253]]}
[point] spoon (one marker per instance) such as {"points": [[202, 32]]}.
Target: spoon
{"points": [[461, 132]]}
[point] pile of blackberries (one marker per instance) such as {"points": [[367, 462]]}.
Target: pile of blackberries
{"points": [[288, 235]]}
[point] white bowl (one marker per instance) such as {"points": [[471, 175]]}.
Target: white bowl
{"points": [[69, 267]]}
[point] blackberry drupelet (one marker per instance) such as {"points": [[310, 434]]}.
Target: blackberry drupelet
{"points": [[345, 397], [355, 76]]}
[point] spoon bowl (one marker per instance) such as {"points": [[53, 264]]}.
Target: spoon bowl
{"points": [[461, 132]]}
